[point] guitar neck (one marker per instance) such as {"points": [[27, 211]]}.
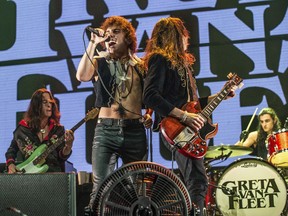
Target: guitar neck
{"points": [[211, 106], [75, 127]]}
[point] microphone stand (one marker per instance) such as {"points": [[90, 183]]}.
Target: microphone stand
{"points": [[222, 157]]}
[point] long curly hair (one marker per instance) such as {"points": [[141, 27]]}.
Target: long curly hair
{"points": [[262, 135], [126, 27], [33, 114], [167, 40]]}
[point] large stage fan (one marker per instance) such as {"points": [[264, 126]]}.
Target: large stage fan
{"points": [[142, 189]]}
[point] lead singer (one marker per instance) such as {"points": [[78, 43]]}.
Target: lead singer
{"points": [[118, 82]]}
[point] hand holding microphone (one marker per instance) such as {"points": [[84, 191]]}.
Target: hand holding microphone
{"points": [[100, 33]]}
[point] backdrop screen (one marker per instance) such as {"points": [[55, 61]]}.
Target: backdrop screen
{"points": [[41, 46]]}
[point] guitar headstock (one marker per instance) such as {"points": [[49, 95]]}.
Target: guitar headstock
{"points": [[234, 79], [92, 114]]}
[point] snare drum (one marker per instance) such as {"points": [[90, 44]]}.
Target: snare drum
{"points": [[251, 187]]}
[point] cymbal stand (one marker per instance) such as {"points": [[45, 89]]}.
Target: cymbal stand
{"points": [[211, 208], [222, 157]]}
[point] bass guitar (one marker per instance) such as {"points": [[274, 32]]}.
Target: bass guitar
{"points": [[35, 163], [193, 143]]}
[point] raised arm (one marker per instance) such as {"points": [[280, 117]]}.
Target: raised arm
{"points": [[87, 67]]}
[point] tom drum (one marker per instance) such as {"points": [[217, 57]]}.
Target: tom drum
{"points": [[278, 148]]}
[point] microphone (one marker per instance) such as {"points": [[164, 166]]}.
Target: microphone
{"points": [[97, 32]]}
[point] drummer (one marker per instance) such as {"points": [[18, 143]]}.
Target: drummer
{"points": [[258, 140]]}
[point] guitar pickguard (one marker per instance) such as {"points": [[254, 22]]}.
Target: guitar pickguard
{"points": [[186, 135]]}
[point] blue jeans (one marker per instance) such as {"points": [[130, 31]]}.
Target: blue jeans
{"points": [[111, 142]]}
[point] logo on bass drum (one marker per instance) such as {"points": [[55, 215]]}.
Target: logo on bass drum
{"points": [[251, 187], [257, 193]]}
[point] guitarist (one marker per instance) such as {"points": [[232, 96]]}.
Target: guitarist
{"points": [[169, 84], [41, 122]]}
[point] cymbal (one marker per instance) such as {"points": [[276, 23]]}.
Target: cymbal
{"points": [[224, 150]]}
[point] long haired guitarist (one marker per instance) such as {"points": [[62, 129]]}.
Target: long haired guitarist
{"points": [[169, 85], [39, 126]]}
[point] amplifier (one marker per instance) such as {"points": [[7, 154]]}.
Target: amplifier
{"points": [[51, 194]]}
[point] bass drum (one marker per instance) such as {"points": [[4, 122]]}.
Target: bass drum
{"points": [[251, 187]]}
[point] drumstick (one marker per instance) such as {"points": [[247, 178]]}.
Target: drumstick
{"points": [[251, 120]]}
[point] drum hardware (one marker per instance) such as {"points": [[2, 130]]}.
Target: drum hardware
{"points": [[213, 175], [225, 189], [222, 158], [218, 151], [196, 211], [210, 201]]}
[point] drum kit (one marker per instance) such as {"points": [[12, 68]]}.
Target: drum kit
{"points": [[248, 186]]}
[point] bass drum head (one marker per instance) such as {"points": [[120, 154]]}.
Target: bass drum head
{"points": [[251, 187]]}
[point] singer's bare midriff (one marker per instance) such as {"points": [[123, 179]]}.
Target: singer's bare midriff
{"points": [[132, 103]]}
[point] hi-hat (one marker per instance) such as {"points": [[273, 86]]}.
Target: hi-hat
{"points": [[223, 150]]}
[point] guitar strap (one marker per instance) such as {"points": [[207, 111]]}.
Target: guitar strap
{"points": [[192, 82]]}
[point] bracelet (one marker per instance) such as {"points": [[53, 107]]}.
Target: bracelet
{"points": [[184, 117]]}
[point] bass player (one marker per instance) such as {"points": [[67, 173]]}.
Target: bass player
{"points": [[41, 122]]}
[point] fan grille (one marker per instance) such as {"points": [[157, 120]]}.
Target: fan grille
{"points": [[142, 188]]}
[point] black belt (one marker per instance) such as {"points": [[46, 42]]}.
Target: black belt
{"points": [[119, 122]]}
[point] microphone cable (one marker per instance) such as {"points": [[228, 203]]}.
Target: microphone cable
{"points": [[100, 79], [113, 98]]}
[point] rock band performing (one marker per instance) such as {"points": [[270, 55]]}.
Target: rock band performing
{"points": [[176, 109]]}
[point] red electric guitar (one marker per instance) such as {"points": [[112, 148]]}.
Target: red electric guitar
{"points": [[193, 143]]}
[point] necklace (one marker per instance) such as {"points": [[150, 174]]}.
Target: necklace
{"points": [[119, 70], [43, 130]]}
